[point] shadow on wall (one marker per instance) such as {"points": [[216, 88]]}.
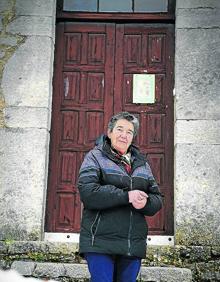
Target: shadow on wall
{"points": [[13, 276]]}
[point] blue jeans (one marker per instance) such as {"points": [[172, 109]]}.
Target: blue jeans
{"points": [[108, 268]]}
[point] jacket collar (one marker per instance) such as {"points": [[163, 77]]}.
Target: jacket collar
{"points": [[104, 144]]}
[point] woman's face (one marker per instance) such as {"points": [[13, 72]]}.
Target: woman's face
{"points": [[122, 135]]}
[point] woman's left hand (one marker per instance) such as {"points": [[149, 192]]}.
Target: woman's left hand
{"points": [[137, 198]]}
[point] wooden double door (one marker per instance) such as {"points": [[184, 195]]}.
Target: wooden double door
{"points": [[93, 79]]}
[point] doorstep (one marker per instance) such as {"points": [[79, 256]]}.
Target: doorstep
{"points": [[76, 271]]}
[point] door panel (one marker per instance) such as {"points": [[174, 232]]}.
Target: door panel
{"points": [[93, 80], [82, 107], [149, 49]]}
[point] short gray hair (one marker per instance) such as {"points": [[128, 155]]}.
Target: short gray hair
{"points": [[124, 115]]}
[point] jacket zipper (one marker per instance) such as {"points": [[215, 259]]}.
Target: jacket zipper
{"points": [[95, 220], [129, 231]]}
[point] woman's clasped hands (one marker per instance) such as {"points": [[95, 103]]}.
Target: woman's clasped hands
{"points": [[137, 198]]}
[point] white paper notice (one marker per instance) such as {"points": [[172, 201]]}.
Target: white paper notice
{"points": [[144, 88]]}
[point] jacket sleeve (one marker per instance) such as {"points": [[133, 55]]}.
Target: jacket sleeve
{"points": [[154, 200], [94, 195]]}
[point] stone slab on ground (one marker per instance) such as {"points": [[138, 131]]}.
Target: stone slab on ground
{"points": [[79, 271], [165, 274], [23, 267]]}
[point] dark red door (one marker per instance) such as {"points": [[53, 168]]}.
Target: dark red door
{"points": [[93, 76]]}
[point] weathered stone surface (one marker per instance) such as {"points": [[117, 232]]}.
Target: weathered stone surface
{"points": [[149, 275], [197, 193], [2, 54], [198, 45], [9, 40], [197, 74], [197, 132], [216, 251], [23, 155], [203, 261], [195, 254], [25, 247], [162, 274], [3, 248], [23, 267], [27, 76], [80, 271], [208, 271], [198, 18], [5, 5], [76, 270], [35, 7], [52, 270], [217, 276], [197, 160], [1, 25], [3, 264], [198, 4], [35, 26], [25, 117], [63, 248]]}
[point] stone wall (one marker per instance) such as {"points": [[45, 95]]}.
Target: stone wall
{"points": [[197, 122], [55, 260], [26, 68]]}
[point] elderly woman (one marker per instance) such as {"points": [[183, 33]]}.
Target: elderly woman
{"points": [[117, 189]]}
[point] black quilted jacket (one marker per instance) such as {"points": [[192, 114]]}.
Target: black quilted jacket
{"points": [[110, 224]]}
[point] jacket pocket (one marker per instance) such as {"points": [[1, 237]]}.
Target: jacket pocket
{"points": [[94, 226], [140, 228]]}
